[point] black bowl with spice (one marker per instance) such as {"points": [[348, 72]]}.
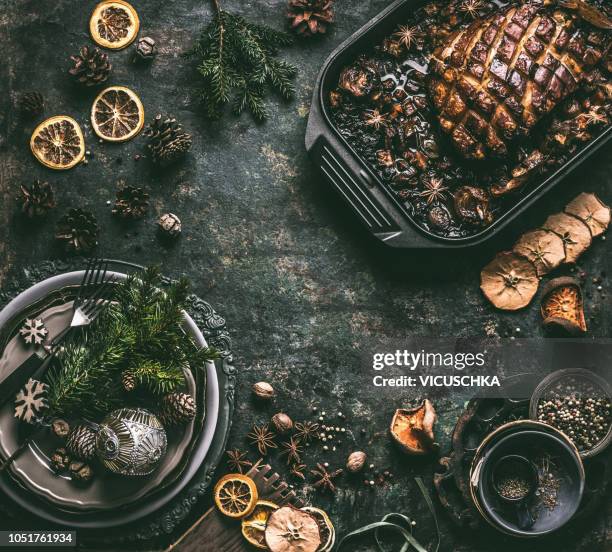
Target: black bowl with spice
{"points": [[577, 402], [554, 497]]}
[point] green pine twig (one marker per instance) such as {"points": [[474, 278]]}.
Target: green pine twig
{"points": [[238, 65]]}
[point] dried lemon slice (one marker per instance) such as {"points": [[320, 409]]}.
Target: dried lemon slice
{"points": [[235, 495], [114, 24], [254, 526], [117, 114], [58, 142]]}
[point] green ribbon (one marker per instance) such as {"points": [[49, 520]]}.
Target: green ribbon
{"points": [[388, 523]]}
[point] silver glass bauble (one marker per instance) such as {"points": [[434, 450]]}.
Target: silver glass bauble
{"points": [[131, 441]]}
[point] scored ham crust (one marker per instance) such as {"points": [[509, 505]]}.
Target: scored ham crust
{"points": [[494, 80]]}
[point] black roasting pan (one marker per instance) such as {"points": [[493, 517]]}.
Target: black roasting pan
{"points": [[357, 184]]}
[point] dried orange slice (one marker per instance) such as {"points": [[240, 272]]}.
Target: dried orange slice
{"points": [[117, 114], [254, 525], [58, 142], [114, 24], [235, 495]]}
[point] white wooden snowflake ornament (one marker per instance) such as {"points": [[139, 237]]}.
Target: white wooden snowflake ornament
{"points": [[31, 401], [33, 331]]}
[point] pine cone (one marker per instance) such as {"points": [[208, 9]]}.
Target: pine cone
{"points": [[78, 230], [167, 140], [82, 442], [32, 103], [309, 17], [131, 203], [91, 66], [177, 408], [128, 381], [37, 199]]}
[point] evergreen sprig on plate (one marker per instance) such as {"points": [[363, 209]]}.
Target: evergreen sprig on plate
{"points": [[139, 333], [238, 63]]}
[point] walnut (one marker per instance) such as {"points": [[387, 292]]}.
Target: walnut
{"points": [[282, 423], [263, 390], [356, 461]]}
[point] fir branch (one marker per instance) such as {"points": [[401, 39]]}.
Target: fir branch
{"points": [[140, 332], [238, 64]]}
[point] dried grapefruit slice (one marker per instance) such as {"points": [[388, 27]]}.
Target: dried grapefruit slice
{"points": [[235, 495], [117, 114], [114, 24], [254, 525], [509, 281], [58, 142]]}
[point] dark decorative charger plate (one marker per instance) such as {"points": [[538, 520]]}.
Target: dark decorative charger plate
{"points": [[165, 520], [481, 417]]}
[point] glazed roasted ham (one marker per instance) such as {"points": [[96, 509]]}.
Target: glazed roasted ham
{"points": [[494, 80]]}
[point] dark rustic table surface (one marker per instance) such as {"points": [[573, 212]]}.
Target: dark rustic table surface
{"points": [[269, 245]]}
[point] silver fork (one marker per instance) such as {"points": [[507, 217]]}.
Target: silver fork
{"points": [[86, 310]]}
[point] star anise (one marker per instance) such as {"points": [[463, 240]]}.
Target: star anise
{"points": [[297, 470], [306, 431], [325, 479], [236, 460], [292, 450], [375, 118], [592, 117], [434, 190], [407, 35], [263, 438], [473, 8]]}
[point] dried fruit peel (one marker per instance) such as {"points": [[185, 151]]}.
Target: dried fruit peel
{"points": [[413, 428], [114, 24], [590, 210], [543, 248], [509, 281], [575, 234], [563, 306], [58, 143]]}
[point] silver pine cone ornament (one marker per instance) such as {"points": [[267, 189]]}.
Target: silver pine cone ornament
{"points": [[78, 231], [168, 142], [177, 408], [310, 17], [31, 103], [36, 199], [81, 442], [131, 203], [90, 66], [131, 441]]}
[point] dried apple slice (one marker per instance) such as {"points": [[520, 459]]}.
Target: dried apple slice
{"points": [[254, 525], [509, 281], [292, 530], [563, 307], [413, 428], [575, 234], [543, 248], [592, 211]]}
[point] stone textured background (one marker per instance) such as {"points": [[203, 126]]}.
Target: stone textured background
{"points": [[265, 241]]}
